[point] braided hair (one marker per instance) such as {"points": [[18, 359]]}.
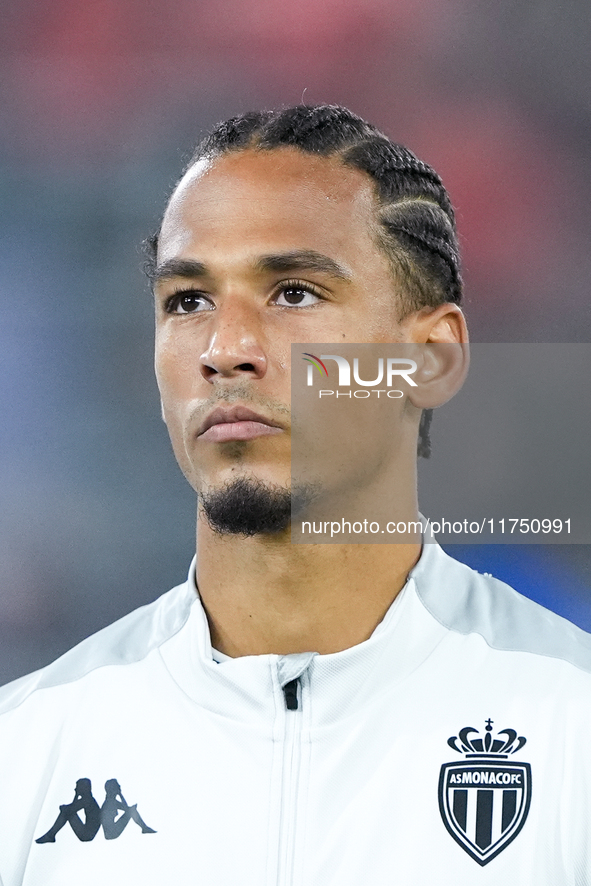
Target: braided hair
{"points": [[416, 221]]}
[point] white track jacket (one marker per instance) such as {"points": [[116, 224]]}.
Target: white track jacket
{"points": [[452, 747]]}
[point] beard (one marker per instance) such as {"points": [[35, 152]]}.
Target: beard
{"points": [[248, 506]]}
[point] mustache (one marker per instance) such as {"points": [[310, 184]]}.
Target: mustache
{"points": [[243, 394]]}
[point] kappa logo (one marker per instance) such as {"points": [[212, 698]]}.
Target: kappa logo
{"points": [[113, 816], [484, 799]]}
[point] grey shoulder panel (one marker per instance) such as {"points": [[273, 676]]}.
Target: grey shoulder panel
{"points": [[466, 602], [126, 641]]}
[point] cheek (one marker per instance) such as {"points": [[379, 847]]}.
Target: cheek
{"points": [[175, 375], [171, 383], [177, 369]]}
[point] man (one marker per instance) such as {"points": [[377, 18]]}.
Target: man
{"points": [[303, 714]]}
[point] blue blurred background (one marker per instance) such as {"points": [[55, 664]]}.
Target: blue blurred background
{"points": [[102, 102]]}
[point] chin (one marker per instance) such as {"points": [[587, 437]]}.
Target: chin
{"points": [[250, 506], [247, 506]]}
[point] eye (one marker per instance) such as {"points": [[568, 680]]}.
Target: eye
{"points": [[297, 295], [188, 301]]}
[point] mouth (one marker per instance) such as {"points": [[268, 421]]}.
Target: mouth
{"points": [[236, 423]]}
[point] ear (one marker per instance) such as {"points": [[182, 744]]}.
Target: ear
{"points": [[445, 323], [441, 353], [441, 371]]}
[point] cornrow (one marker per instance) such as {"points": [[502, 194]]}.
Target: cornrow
{"points": [[416, 223], [424, 233]]}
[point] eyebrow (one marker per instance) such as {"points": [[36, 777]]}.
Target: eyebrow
{"points": [[282, 262], [303, 260], [178, 267]]}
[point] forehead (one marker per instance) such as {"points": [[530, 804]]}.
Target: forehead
{"points": [[267, 200]]}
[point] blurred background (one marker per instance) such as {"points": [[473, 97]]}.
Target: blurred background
{"points": [[101, 104]]}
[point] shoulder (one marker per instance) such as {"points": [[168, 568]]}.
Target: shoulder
{"points": [[127, 641], [466, 602]]}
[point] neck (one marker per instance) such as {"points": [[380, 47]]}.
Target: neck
{"points": [[266, 595]]}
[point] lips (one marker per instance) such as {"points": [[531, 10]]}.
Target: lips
{"points": [[236, 423]]}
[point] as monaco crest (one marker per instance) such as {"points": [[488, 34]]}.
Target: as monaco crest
{"points": [[484, 798]]}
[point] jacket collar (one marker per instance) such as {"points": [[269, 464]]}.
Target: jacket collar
{"points": [[332, 686]]}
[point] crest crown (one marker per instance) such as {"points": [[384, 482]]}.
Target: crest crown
{"points": [[472, 743]]}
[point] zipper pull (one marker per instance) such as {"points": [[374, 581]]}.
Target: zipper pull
{"points": [[290, 691]]}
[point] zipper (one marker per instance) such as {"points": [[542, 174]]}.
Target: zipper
{"points": [[289, 783], [290, 693], [293, 677]]}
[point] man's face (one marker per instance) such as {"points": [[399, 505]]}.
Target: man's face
{"points": [[258, 250]]}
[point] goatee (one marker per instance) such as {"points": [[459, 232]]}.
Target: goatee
{"points": [[250, 507]]}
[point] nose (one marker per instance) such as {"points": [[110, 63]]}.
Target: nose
{"points": [[236, 344]]}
